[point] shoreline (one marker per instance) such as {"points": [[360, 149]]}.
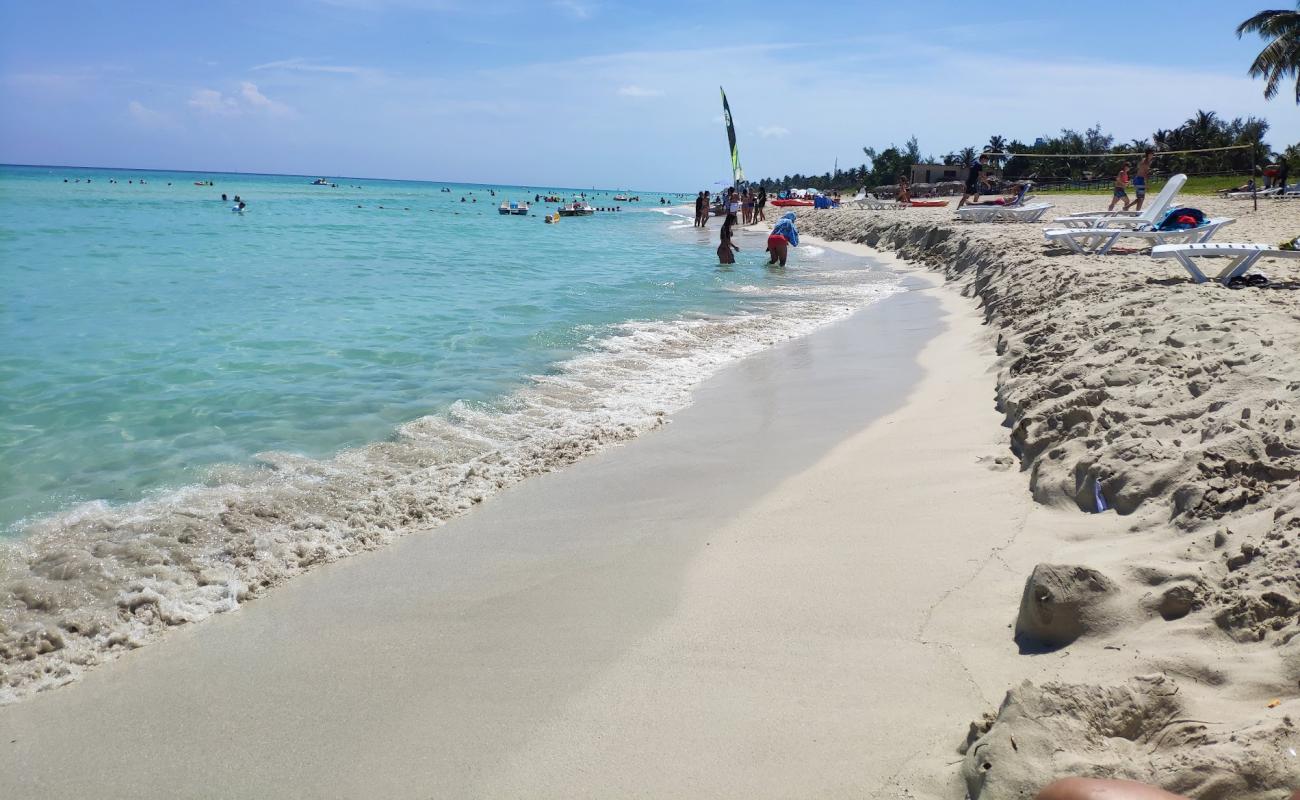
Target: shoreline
{"points": [[603, 628], [89, 583]]}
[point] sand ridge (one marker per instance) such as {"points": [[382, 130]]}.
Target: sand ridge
{"points": [[1175, 406]]}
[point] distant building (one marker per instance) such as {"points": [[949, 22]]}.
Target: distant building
{"points": [[937, 173]]}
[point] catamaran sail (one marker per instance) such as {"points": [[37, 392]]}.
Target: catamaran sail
{"points": [[737, 174]]}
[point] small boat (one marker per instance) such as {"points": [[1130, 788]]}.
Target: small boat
{"points": [[622, 197], [782, 202], [578, 208], [320, 182], [510, 207]]}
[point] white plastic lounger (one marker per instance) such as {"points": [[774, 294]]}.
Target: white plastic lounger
{"points": [[1026, 213], [1101, 240], [1242, 257], [1256, 193], [1128, 219], [873, 204]]}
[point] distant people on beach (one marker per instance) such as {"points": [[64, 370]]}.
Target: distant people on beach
{"points": [[972, 193], [725, 247], [733, 205], [762, 203], [1121, 184], [1140, 178], [747, 207], [782, 237], [904, 190], [700, 209], [708, 209]]}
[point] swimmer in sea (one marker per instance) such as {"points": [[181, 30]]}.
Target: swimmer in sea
{"points": [[725, 248]]}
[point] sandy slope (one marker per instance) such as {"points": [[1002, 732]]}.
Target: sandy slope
{"points": [[1177, 404]]}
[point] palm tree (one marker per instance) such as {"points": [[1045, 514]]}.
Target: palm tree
{"points": [[1280, 58]]}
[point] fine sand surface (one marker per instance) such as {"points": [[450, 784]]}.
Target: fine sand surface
{"points": [[1158, 637], [758, 601]]}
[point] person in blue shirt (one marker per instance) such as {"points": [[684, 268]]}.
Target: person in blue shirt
{"points": [[782, 237]]}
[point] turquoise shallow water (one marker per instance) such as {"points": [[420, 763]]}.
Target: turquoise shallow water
{"points": [[196, 405], [149, 333]]}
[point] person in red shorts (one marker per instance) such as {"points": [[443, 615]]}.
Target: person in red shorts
{"points": [[782, 237]]}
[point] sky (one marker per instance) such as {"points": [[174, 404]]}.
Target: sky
{"points": [[598, 92]]}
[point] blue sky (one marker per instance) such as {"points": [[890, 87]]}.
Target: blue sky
{"points": [[597, 92]]}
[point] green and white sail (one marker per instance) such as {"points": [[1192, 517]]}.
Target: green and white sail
{"points": [[737, 174]]}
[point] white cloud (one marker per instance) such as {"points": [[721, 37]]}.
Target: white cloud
{"points": [[210, 101], [249, 99], [255, 99], [147, 117], [773, 131], [576, 8], [639, 91], [310, 65]]}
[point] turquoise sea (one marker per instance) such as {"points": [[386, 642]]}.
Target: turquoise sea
{"points": [[194, 401]]}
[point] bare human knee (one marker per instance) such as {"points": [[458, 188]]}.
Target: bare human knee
{"points": [[1103, 789]]}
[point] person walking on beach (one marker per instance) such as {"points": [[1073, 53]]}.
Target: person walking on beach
{"points": [[972, 193], [1121, 182], [725, 247], [1140, 178], [733, 205], [762, 203], [782, 237]]}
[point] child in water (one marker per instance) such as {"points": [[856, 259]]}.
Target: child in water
{"points": [[725, 247]]}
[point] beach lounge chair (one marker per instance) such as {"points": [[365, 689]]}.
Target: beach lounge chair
{"points": [[1257, 193], [1242, 257], [865, 202], [1031, 212], [1128, 219], [1100, 240]]}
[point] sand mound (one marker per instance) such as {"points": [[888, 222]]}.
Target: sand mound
{"points": [[1062, 603], [1138, 730]]}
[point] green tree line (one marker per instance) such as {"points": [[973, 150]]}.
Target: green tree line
{"points": [[1073, 155]]}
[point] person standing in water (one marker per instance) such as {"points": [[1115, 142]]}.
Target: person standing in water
{"points": [[725, 247], [783, 237], [1140, 178]]}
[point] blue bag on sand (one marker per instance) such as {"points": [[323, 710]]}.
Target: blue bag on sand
{"points": [[1181, 219]]}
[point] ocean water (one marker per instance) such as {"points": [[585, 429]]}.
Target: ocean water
{"points": [[196, 404]]}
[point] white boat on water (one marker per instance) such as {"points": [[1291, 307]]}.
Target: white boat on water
{"points": [[511, 207], [577, 208], [320, 182]]}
